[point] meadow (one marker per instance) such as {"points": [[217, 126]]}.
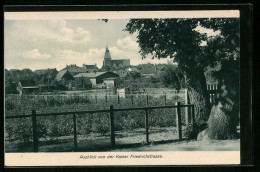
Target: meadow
{"points": [[92, 129]]}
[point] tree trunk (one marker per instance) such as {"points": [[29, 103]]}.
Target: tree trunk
{"points": [[224, 116], [197, 90]]}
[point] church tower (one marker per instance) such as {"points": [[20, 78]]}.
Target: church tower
{"points": [[107, 58]]}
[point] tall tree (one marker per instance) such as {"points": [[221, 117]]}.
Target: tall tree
{"points": [[177, 39], [224, 49], [180, 40]]}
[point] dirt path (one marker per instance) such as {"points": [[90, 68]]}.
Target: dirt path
{"points": [[216, 145]]}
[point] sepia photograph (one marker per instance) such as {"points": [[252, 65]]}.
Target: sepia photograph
{"points": [[113, 82]]}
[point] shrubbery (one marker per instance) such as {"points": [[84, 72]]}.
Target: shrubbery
{"points": [[192, 132]]}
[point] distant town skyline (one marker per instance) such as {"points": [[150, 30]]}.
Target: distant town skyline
{"points": [[41, 44]]}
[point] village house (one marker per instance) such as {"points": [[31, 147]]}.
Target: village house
{"points": [[52, 71], [46, 76], [132, 69], [90, 68], [121, 73], [110, 82], [64, 75], [99, 79], [82, 83], [26, 86], [74, 69]]}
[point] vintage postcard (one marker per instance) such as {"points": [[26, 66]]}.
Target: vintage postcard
{"points": [[122, 88]]}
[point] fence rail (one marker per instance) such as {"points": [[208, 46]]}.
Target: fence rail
{"points": [[111, 111]]}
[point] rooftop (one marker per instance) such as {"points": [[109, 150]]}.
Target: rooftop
{"points": [[89, 75], [27, 83], [61, 74], [96, 74], [110, 78], [75, 69]]}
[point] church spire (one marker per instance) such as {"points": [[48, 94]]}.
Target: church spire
{"points": [[107, 54]]}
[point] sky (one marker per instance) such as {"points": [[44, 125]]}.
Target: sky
{"points": [[41, 44]]}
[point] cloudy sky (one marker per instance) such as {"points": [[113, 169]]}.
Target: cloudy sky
{"points": [[39, 44]]}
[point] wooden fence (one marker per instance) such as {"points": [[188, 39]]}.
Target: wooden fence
{"points": [[95, 98], [213, 91], [111, 111]]}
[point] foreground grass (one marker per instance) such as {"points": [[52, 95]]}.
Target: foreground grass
{"points": [[93, 142]]}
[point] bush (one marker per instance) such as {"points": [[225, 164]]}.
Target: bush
{"points": [[192, 132], [9, 105], [22, 130], [100, 124], [221, 125]]}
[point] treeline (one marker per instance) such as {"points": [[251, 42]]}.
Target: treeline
{"points": [[46, 81]]}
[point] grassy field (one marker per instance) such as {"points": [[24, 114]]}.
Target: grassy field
{"points": [[94, 141], [18, 132]]}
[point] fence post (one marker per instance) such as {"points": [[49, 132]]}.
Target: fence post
{"points": [[96, 98], [75, 132], [106, 98], [164, 99], [86, 98], [132, 99], [112, 129], [146, 125], [186, 108], [147, 102], [118, 99], [178, 120], [192, 117], [35, 134]]}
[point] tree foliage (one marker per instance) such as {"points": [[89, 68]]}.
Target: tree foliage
{"points": [[180, 40], [172, 77], [133, 75]]}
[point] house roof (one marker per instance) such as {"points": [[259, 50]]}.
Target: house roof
{"points": [[75, 69], [89, 75], [94, 74], [132, 69], [44, 71], [89, 66], [121, 73], [27, 83], [61, 74], [110, 78]]}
